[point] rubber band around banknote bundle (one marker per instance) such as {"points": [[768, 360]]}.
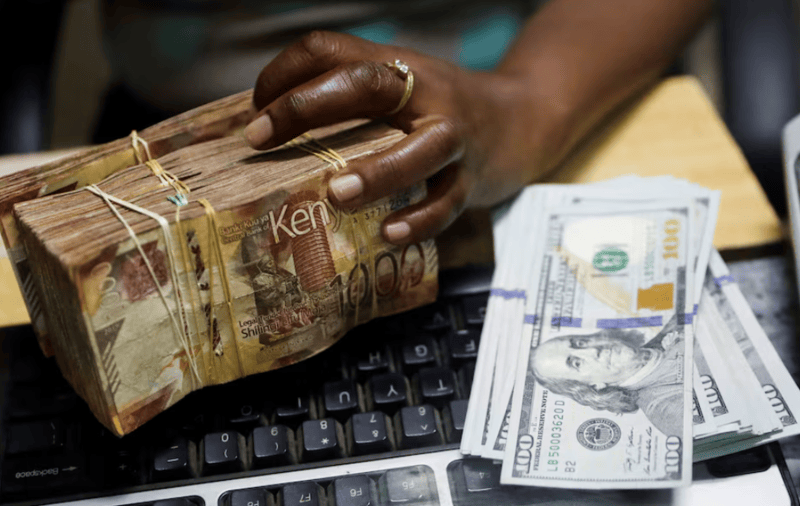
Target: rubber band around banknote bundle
{"points": [[166, 178], [309, 144], [179, 323], [179, 327]]}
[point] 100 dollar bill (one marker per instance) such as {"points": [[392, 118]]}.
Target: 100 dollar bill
{"points": [[602, 397]]}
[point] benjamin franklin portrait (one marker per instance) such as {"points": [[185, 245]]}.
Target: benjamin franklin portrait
{"points": [[614, 370]]}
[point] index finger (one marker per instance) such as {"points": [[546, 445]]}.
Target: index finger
{"points": [[315, 54]]}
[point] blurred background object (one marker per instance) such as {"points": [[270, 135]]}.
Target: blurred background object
{"points": [[92, 70]]}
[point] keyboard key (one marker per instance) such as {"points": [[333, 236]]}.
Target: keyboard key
{"points": [[418, 353], [192, 417], [249, 497], [40, 436], [465, 375], [409, 485], [418, 426], [271, 446], [371, 362], [370, 434], [463, 345], [243, 415], [474, 309], [221, 452], [123, 467], [353, 491], [389, 392], [293, 411], [434, 318], [341, 399], [481, 475], [40, 401], [180, 501], [455, 416], [320, 440], [437, 385], [172, 459], [32, 475], [301, 494]]}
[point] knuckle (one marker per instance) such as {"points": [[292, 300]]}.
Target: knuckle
{"points": [[369, 78], [318, 45], [446, 133], [390, 171], [295, 106]]}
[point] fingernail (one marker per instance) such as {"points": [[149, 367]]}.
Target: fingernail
{"points": [[259, 131], [347, 187], [396, 232]]}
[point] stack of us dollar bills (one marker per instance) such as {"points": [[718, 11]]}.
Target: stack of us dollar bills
{"points": [[181, 258], [617, 348]]}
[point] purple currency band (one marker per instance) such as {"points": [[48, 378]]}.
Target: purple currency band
{"points": [[566, 321], [724, 280], [629, 323]]}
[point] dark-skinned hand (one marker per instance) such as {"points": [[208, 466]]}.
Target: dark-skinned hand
{"points": [[476, 138]]}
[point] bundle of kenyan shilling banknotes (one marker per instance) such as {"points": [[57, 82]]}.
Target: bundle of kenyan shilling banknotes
{"points": [[617, 348], [180, 257]]}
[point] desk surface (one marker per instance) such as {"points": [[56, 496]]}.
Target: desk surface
{"points": [[672, 129]]}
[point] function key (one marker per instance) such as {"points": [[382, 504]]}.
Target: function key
{"points": [[249, 497], [474, 309], [271, 446], [436, 385], [481, 475], [221, 453], [340, 399], [370, 434], [410, 485], [419, 353], [418, 426], [173, 458], [463, 345], [321, 440], [353, 491], [455, 415], [180, 501], [301, 494], [389, 392]]}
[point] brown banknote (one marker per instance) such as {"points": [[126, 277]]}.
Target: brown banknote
{"points": [[91, 165], [266, 282]]}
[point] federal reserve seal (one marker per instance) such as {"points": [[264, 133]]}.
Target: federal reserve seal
{"points": [[599, 434]]}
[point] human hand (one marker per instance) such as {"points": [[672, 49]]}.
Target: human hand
{"points": [[476, 138]]}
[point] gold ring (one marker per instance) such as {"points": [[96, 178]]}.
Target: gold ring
{"points": [[401, 68]]}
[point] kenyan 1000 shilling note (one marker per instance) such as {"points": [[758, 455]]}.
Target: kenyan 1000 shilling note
{"points": [[300, 274], [603, 391]]}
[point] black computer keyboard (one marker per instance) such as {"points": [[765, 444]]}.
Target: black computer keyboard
{"points": [[373, 421], [394, 387]]}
